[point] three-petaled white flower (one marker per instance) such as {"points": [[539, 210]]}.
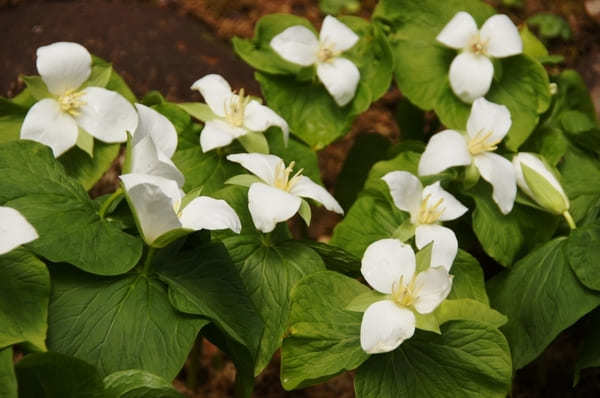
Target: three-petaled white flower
{"points": [[15, 230], [106, 115], [278, 196], [472, 71], [488, 124], [389, 267], [427, 207], [339, 75], [158, 207], [236, 114]]}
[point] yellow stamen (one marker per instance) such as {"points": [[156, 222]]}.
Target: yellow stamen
{"points": [[236, 108], [326, 52], [478, 46], [405, 295], [70, 102], [430, 214], [479, 143], [282, 176]]}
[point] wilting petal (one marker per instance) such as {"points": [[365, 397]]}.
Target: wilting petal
{"points": [[48, 125], [452, 207], [533, 162], [258, 117], [307, 188], [406, 191], [385, 326], [340, 77], [63, 66], [269, 206], [15, 230], [457, 33], [159, 128], [169, 188], [208, 213], [106, 115], [445, 245], [261, 165], [147, 159], [499, 172], [502, 36], [218, 133], [487, 117], [297, 44], [444, 150], [216, 92], [385, 262], [335, 33], [471, 76], [434, 285]]}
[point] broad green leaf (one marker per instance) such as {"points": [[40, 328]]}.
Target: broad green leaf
{"points": [[119, 323], [296, 151], [362, 301], [118, 84], [254, 142], [24, 294], [336, 258], [37, 87], [580, 175], [85, 142], [469, 359], [583, 252], [67, 221], [11, 119], [243, 180], [468, 310], [323, 338], [8, 380], [541, 296], [89, 169], [101, 73], [532, 46], [427, 322], [199, 110], [468, 282], [138, 384], [582, 129], [550, 26]]}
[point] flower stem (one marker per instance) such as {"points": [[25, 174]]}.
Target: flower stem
{"points": [[108, 202], [148, 260], [569, 219]]}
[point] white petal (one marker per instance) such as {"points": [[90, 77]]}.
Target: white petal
{"points": [[159, 128], [502, 36], [385, 262], [258, 117], [385, 326], [208, 213], [335, 33], [147, 159], [434, 285], [297, 44], [218, 133], [262, 165], [533, 162], [444, 150], [406, 191], [452, 207], [216, 92], [168, 187], [499, 172], [106, 115], [340, 77], [269, 205], [47, 124], [445, 245], [457, 33], [63, 66], [15, 230], [307, 188], [487, 117], [471, 76]]}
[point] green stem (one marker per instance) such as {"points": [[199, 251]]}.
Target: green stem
{"points": [[569, 219], [148, 260], [108, 202]]}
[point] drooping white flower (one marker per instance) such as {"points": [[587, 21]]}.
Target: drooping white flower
{"points": [[158, 208], [106, 115], [488, 124], [15, 230], [278, 196], [389, 267], [237, 114], [427, 207], [472, 71], [339, 75]]}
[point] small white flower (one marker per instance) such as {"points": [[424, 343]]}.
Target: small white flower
{"points": [[472, 71], [15, 230], [278, 197], [157, 205], [237, 114], [55, 122], [339, 75], [488, 124], [389, 267], [427, 207]]}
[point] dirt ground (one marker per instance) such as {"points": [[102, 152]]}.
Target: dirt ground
{"points": [[166, 45]]}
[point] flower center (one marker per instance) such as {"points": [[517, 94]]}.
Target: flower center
{"points": [[477, 45], [405, 295], [480, 143], [235, 109], [430, 214], [282, 176], [326, 52], [70, 102]]}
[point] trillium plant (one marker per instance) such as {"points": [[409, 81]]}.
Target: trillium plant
{"points": [[434, 264]]}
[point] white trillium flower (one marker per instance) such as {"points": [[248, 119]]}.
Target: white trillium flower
{"points": [[389, 266], [472, 71], [55, 122], [278, 197], [157, 205], [237, 114], [427, 207], [488, 124], [15, 230], [339, 75]]}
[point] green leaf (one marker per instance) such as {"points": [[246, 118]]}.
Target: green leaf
{"points": [[85, 142], [362, 301], [583, 252], [323, 337], [297, 151], [243, 180], [305, 211], [118, 84], [24, 295], [119, 323], [550, 26], [67, 221], [37, 88], [254, 142], [336, 258], [589, 350], [468, 282], [199, 110], [338, 6], [541, 296], [468, 310], [469, 359], [424, 258], [89, 169], [582, 129], [532, 46], [101, 73], [138, 384], [580, 175], [8, 380], [11, 119]]}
